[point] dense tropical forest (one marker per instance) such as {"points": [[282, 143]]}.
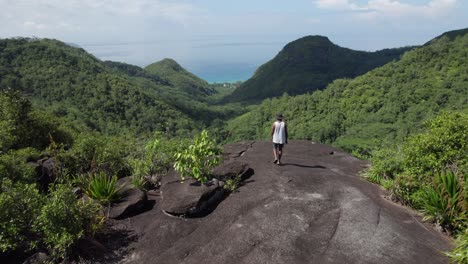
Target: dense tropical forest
{"points": [[89, 123], [309, 64]]}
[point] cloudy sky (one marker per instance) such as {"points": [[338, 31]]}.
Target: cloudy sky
{"points": [[213, 36]]}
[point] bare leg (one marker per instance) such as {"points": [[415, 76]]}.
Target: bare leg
{"points": [[280, 153], [275, 155]]}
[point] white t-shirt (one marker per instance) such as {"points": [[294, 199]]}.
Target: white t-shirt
{"points": [[279, 136]]}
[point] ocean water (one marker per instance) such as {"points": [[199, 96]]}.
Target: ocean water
{"points": [[211, 60]]}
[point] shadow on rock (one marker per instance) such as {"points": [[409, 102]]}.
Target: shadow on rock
{"points": [[304, 166], [108, 247]]}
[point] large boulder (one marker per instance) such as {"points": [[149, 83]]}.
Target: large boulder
{"points": [[46, 172], [133, 203], [189, 198], [89, 248], [231, 170], [38, 258]]}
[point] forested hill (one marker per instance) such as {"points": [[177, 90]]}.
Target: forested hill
{"points": [[108, 97], [179, 77], [385, 104], [309, 64]]}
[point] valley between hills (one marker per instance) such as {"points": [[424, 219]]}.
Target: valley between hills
{"points": [[107, 162]]}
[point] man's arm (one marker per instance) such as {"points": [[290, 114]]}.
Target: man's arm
{"points": [[286, 132], [272, 129]]}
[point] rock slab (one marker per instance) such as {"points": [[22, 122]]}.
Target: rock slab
{"points": [[132, 204], [189, 198]]}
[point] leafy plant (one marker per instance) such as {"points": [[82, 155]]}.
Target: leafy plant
{"points": [[20, 204], [443, 201], [103, 188], [140, 169], [64, 219], [445, 143], [232, 184], [198, 159], [460, 253], [386, 164]]}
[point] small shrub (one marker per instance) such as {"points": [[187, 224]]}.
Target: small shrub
{"points": [[160, 152], [103, 188], [20, 204], [232, 184], [139, 169], [445, 143], [95, 152], [64, 219], [386, 163], [198, 160], [403, 188], [13, 165]]}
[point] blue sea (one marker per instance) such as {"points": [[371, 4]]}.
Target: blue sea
{"points": [[213, 60]]}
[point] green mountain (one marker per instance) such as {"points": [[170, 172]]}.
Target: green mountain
{"points": [[108, 97], [309, 64], [179, 77], [385, 104]]}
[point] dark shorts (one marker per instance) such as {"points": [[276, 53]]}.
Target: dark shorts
{"points": [[278, 146]]}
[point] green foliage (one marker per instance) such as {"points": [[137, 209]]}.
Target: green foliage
{"points": [[430, 171], [384, 105], [64, 219], [445, 143], [20, 204], [30, 220], [179, 77], [96, 152], [103, 188], [14, 166], [386, 164], [232, 184], [22, 127], [198, 159], [443, 201], [85, 90], [140, 169], [309, 64], [460, 253]]}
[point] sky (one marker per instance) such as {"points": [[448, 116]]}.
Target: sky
{"points": [[226, 40]]}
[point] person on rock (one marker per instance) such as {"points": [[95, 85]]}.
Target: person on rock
{"points": [[279, 134]]}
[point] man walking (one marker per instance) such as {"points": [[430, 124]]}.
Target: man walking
{"points": [[279, 133]]}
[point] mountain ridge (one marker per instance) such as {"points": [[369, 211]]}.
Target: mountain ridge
{"points": [[308, 64]]}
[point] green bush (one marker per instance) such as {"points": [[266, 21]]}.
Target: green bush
{"points": [[20, 204], [139, 169], [13, 165], [21, 126], [444, 144], [198, 160], [232, 184], [403, 189], [103, 188], [386, 164], [64, 219], [95, 152], [160, 152]]}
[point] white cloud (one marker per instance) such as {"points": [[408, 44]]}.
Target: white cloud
{"points": [[57, 18], [390, 8], [338, 5]]}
